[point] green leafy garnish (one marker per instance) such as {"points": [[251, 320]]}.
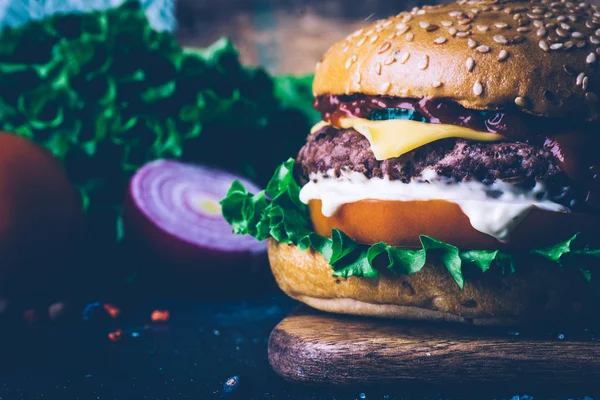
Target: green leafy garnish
{"points": [[106, 93], [279, 213]]}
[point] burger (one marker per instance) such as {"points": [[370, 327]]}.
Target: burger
{"points": [[454, 174]]}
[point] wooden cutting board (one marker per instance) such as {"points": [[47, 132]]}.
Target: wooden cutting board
{"points": [[318, 348]]}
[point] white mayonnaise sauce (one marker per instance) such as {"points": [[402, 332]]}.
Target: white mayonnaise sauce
{"points": [[494, 209]]}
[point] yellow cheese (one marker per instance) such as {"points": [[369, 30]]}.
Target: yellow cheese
{"points": [[392, 138]]}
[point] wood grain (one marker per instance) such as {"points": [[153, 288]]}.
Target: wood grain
{"points": [[318, 348]]}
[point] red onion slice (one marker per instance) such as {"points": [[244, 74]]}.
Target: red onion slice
{"points": [[174, 209]]}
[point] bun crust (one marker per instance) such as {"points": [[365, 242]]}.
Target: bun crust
{"points": [[540, 293], [531, 56]]}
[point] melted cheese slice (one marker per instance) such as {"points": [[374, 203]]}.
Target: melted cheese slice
{"points": [[392, 138]]}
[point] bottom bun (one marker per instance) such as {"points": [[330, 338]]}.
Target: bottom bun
{"points": [[539, 292]]}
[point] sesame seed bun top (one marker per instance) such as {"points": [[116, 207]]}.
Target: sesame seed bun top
{"points": [[538, 56]]}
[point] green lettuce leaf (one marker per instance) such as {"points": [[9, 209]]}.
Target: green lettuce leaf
{"points": [[278, 212], [106, 93]]}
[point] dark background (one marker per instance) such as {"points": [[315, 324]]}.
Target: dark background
{"points": [[219, 325], [286, 36]]}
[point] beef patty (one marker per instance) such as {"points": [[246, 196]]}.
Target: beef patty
{"points": [[520, 163]]}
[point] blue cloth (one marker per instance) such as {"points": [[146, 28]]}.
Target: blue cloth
{"points": [[160, 13]]}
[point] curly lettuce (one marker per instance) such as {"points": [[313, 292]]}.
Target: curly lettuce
{"points": [[277, 212], [105, 93]]}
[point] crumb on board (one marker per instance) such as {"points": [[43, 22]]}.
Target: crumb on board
{"points": [[160, 315]]}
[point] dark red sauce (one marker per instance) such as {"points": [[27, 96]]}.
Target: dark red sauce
{"points": [[510, 123], [575, 144]]}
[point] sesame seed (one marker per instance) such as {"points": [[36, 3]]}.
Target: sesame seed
{"points": [[454, 14], [421, 12], [378, 68], [590, 25], [568, 70], [579, 78], [361, 41], [577, 35], [385, 87], [407, 18], [387, 23], [591, 58], [538, 23], [562, 32], [463, 28], [446, 23], [584, 82], [572, 18], [385, 46], [389, 60], [541, 32], [409, 36], [520, 101], [503, 55], [440, 40], [404, 56], [470, 64], [471, 43], [432, 28], [402, 27], [369, 32], [591, 97], [598, 50], [357, 33], [543, 45], [392, 35], [597, 33], [500, 25], [452, 31], [581, 44], [482, 49], [373, 39], [436, 84], [477, 88], [356, 77], [483, 28], [561, 18], [523, 29], [517, 16], [500, 39], [424, 24], [350, 61], [465, 21], [565, 26], [556, 46], [424, 63], [594, 40], [463, 34], [517, 39]]}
